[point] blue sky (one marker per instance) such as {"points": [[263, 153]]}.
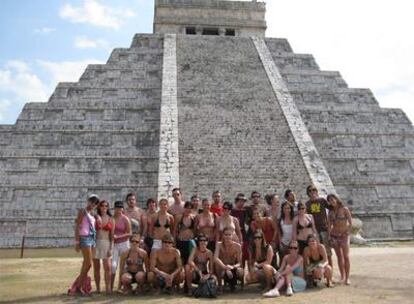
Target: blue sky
{"points": [[46, 41]]}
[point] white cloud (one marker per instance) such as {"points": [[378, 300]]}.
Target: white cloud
{"points": [[95, 13], [44, 30], [66, 71], [369, 42], [16, 78], [5, 105], [83, 42]]}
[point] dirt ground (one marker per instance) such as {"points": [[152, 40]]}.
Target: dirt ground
{"points": [[378, 275]]}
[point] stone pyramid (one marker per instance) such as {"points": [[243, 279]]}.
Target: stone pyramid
{"points": [[205, 103]]}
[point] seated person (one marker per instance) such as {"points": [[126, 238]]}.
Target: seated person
{"points": [[228, 259], [200, 264], [291, 266], [260, 259], [166, 267], [135, 263], [316, 261]]}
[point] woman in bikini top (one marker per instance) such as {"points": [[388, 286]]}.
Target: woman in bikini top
{"points": [[340, 224], [228, 221], [303, 224], [162, 222], [185, 228], [206, 221]]}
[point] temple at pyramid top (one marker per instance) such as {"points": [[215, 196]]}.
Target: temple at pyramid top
{"points": [[210, 17]]}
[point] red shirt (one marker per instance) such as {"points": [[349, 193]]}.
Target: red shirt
{"points": [[217, 209]]}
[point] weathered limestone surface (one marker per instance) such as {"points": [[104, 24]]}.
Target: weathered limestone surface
{"points": [[168, 169], [99, 135], [368, 151], [247, 18], [203, 112], [232, 133]]}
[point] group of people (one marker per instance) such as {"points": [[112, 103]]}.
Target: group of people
{"points": [[167, 247]]}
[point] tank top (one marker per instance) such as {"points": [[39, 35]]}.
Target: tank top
{"points": [[287, 232], [88, 221], [120, 228]]}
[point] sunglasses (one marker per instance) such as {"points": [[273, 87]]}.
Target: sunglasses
{"points": [[167, 242], [301, 208], [202, 240], [313, 190], [257, 237], [134, 241], [104, 206], [293, 247]]}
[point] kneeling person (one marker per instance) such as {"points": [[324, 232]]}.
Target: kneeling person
{"points": [[200, 264], [166, 266], [135, 263], [228, 260]]}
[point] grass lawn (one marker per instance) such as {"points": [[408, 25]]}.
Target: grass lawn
{"points": [[379, 275]]}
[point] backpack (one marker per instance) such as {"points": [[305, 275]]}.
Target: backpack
{"points": [[207, 289]]}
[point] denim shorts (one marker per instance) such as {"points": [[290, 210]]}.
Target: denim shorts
{"points": [[87, 241]]}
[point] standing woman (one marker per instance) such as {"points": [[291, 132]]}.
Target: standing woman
{"points": [[161, 224], [206, 224], [184, 232], [104, 244], [339, 227], [285, 229], [85, 235], [303, 226], [228, 221], [122, 232]]}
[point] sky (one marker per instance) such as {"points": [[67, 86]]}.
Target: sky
{"points": [[43, 42]]}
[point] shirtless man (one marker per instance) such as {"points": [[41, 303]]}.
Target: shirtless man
{"points": [[178, 207], [166, 267], [228, 260], [136, 215]]}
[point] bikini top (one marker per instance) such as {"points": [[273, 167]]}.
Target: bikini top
{"points": [[182, 226], [158, 224], [317, 260], [300, 227], [200, 261], [263, 256], [339, 217], [139, 261], [208, 224], [223, 226], [108, 226]]}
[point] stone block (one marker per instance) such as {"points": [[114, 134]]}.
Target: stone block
{"points": [[399, 191], [97, 139], [73, 114], [370, 165], [402, 222], [393, 140], [83, 165]]}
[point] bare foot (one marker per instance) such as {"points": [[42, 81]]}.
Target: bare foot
{"points": [[347, 282]]}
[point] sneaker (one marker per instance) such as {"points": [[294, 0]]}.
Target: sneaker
{"points": [[272, 293], [289, 291]]}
